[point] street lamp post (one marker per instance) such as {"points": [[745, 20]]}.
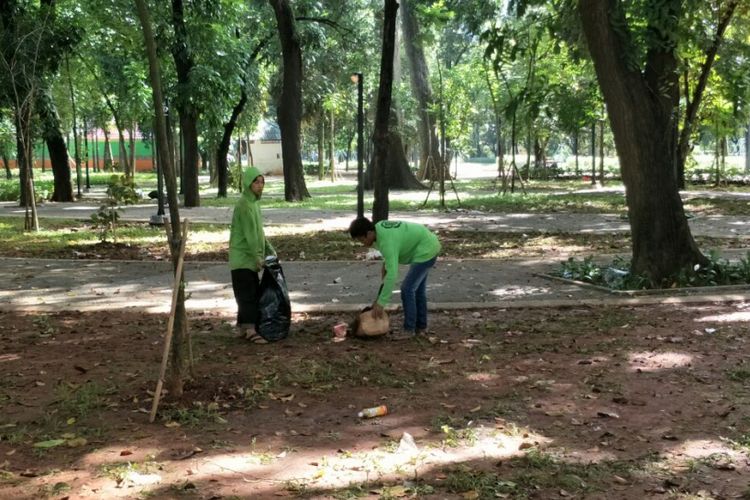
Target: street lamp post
{"points": [[358, 79]]}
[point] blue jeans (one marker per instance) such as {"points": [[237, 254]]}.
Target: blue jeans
{"points": [[414, 295]]}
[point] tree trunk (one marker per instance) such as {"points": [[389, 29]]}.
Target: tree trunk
{"points": [[575, 152], [601, 152], [188, 113], [420, 83], [6, 164], [382, 115], [122, 152], [593, 153], [331, 153], [107, 165], [58, 152], [321, 139], [23, 135], [131, 148], [190, 158], [222, 164], [289, 104], [643, 126], [747, 149], [179, 353]]}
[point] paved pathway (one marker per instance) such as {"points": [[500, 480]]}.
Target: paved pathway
{"points": [[50, 285], [54, 285]]}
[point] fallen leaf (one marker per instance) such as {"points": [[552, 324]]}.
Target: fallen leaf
{"points": [[475, 409], [49, 444], [76, 442], [607, 414], [172, 423]]}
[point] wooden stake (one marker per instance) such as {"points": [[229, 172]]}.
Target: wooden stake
{"points": [[170, 323]]}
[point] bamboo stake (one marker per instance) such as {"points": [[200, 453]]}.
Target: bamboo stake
{"points": [[170, 323]]}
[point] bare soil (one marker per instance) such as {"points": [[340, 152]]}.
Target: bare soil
{"points": [[647, 402]]}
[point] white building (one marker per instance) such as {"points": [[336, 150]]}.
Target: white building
{"points": [[265, 148]]}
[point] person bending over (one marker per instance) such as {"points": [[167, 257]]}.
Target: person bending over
{"points": [[401, 242]]}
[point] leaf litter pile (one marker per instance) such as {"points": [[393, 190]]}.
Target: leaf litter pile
{"points": [[617, 402]]}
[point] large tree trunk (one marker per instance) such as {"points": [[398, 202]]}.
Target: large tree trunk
{"points": [[289, 105], [420, 83], [747, 149], [398, 173], [179, 352], [222, 165], [642, 121], [381, 137], [189, 114], [58, 152]]}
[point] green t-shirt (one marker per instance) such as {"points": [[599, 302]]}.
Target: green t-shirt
{"points": [[402, 243]]}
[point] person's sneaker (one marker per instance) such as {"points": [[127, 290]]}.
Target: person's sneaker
{"points": [[403, 335], [422, 332]]}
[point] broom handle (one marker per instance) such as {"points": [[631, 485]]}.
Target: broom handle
{"points": [[170, 323]]}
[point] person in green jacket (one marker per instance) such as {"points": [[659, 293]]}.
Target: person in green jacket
{"points": [[401, 242], [248, 248]]}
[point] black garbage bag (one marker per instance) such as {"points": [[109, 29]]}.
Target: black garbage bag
{"points": [[274, 308]]}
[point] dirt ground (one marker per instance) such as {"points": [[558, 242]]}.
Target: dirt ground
{"points": [[631, 403]]}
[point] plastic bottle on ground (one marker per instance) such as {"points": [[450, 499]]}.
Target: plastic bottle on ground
{"points": [[375, 411]]}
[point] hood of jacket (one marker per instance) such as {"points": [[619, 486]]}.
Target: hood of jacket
{"points": [[248, 176]]}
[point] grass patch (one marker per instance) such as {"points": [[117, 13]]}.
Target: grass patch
{"points": [[118, 471], [535, 472], [738, 374], [199, 415], [258, 392], [80, 401]]}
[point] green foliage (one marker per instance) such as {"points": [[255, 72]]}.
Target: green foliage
{"points": [[120, 191], [10, 190], [617, 275]]}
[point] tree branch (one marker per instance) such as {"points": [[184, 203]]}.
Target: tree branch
{"points": [[693, 104], [323, 20]]}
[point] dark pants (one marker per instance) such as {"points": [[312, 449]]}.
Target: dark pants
{"points": [[246, 285], [414, 295]]}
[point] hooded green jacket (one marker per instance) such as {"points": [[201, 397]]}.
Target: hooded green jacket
{"points": [[248, 245]]}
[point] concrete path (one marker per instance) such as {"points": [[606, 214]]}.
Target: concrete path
{"points": [[49, 285], [55, 285]]}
